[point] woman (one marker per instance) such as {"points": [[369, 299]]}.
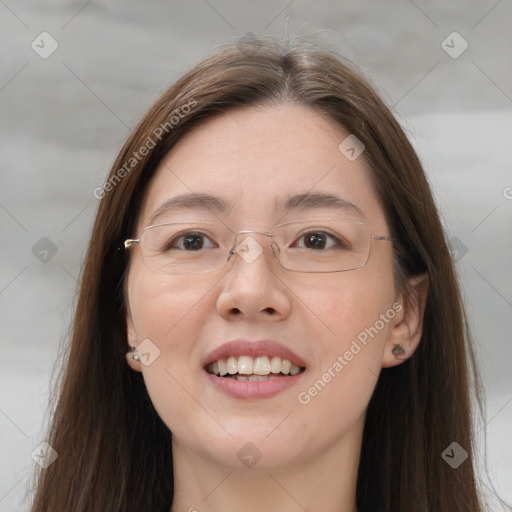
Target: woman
{"points": [[269, 317]]}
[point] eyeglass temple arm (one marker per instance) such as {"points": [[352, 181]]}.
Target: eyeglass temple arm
{"points": [[129, 242], [384, 238]]}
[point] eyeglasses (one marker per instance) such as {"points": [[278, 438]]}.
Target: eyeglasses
{"points": [[317, 245]]}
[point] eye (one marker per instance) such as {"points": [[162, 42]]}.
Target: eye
{"points": [[319, 240], [191, 241]]}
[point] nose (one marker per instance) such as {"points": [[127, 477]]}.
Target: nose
{"points": [[253, 289]]}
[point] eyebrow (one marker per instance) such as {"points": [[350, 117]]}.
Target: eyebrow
{"points": [[320, 200], [216, 205], [204, 202]]}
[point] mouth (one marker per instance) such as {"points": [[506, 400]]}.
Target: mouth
{"points": [[253, 369]]}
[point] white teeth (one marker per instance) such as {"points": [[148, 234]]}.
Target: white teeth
{"points": [[245, 365], [285, 366], [294, 369], [275, 364], [261, 366], [232, 365], [223, 369]]}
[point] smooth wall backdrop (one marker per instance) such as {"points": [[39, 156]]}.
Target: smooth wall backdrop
{"points": [[75, 78]]}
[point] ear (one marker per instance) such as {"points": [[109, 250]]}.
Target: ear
{"points": [[132, 342], [407, 325]]}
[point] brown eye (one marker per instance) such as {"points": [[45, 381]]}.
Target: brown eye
{"points": [[315, 241], [191, 242], [319, 240]]}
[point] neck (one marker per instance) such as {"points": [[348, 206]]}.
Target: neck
{"points": [[327, 483]]}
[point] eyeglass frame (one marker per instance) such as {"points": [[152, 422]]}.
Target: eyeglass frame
{"points": [[129, 242]]}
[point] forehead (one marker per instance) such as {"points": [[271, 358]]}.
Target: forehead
{"points": [[254, 158]]}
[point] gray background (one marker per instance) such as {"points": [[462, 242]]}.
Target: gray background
{"points": [[64, 118]]}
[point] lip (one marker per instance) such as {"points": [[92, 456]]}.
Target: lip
{"points": [[253, 349], [257, 389]]}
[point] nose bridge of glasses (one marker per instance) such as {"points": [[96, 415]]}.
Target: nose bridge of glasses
{"points": [[252, 231]]}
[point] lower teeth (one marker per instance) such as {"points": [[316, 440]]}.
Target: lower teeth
{"points": [[253, 378]]}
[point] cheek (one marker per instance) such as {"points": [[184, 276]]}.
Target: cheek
{"points": [[170, 314], [356, 310], [164, 308], [349, 303]]}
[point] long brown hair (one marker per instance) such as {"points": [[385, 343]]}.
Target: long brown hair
{"points": [[114, 452]]}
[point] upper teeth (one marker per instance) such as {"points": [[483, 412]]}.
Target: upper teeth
{"points": [[246, 365]]}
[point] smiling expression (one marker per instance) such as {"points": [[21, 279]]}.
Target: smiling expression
{"points": [[256, 321]]}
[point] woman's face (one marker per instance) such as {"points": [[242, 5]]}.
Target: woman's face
{"points": [[262, 167]]}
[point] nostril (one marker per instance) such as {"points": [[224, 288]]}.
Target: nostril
{"points": [[270, 311]]}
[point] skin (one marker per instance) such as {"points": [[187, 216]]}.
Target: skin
{"points": [[253, 158]]}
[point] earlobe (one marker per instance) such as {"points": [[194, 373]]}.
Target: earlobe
{"points": [[132, 358], [407, 326]]}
